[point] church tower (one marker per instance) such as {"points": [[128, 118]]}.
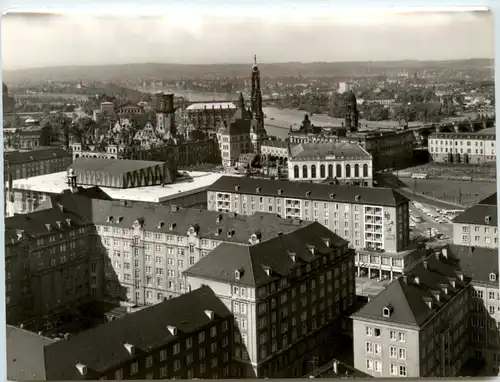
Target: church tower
{"points": [[165, 115], [351, 112], [258, 132]]}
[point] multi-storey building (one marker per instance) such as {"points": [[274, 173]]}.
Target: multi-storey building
{"points": [[478, 225], [341, 161], [207, 116], [183, 338], [374, 220], [287, 294], [482, 265], [42, 161], [274, 149], [146, 249], [464, 147], [51, 264], [419, 325]]}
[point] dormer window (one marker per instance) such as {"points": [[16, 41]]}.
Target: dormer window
{"points": [[253, 238], [237, 275], [160, 224], [172, 330], [293, 256], [230, 233], [109, 219], [493, 277], [308, 193], [327, 242], [267, 269], [119, 219], [219, 218], [311, 248], [171, 226], [137, 224], [217, 231], [236, 188], [68, 222], [487, 219], [428, 301], [357, 198], [257, 190], [59, 224], [130, 348], [81, 368], [48, 226], [280, 191], [332, 195], [387, 311]]}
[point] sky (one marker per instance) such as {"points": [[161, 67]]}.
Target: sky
{"points": [[38, 40]]}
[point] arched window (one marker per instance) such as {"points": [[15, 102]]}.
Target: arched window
{"points": [[339, 171], [365, 171], [313, 171], [347, 170], [356, 170], [296, 172], [330, 171], [322, 171], [304, 171]]}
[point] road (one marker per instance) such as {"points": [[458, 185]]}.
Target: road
{"points": [[427, 224], [427, 200]]}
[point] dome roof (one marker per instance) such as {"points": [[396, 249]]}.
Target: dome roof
{"points": [[349, 96]]}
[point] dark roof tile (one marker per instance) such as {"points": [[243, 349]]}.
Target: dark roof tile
{"points": [[332, 193], [480, 214]]}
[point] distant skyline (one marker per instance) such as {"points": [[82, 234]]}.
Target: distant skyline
{"points": [[40, 40]]}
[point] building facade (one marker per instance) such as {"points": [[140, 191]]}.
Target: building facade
{"points": [[288, 308], [478, 225], [466, 147], [418, 326], [274, 149], [374, 220], [340, 162], [183, 338]]}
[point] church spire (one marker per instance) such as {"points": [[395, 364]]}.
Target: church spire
{"points": [[241, 101], [254, 60]]}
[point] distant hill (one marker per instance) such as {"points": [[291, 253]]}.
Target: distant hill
{"points": [[175, 71]]}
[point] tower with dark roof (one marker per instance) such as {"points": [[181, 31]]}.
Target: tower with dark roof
{"points": [[351, 111], [258, 132]]}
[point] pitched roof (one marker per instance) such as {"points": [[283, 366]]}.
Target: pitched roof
{"points": [[490, 200], [17, 157], [35, 223], [111, 166], [239, 127], [275, 143], [409, 298], [476, 262], [478, 215], [25, 355], [252, 261], [208, 105], [332, 193], [102, 348], [341, 150], [178, 221]]}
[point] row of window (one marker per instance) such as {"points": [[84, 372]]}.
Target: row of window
{"points": [[338, 172], [377, 332]]}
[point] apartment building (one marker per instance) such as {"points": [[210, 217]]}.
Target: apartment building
{"points": [[145, 249], [467, 147], [419, 325], [183, 338], [50, 265], [374, 220], [478, 225], [482, 265], [288, 295]]}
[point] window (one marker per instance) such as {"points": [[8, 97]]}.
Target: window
{"points": [[149, 361], [377, 332], [369, 347], [163, 372], [394, 369], [177, 348], [402, 337], [378, 364], [177, 365], [213, 331], [189, 343], [163, 355], [402, 353], [393, 352], [369, 331], [201, 337], [402, 371], [119, 374], [369, 364], [134, 368]]}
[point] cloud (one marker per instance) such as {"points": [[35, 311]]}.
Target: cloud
{"points": [[289, 35]]}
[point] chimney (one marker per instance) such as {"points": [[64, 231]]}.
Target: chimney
{"points": [[210, 314], [130, 348]]}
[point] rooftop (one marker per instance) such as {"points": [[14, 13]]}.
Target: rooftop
{"points": [[337, 369], [227, 227], [277, 143], [489, 133], [261, 263], [339, 150], [103, 347], [18, 157], [39, 223], [377, 196], [476, 262], [480, 214], [490, 200], [210, 105], [111, 166], [56, 183], [25, 360], [415, 297]]}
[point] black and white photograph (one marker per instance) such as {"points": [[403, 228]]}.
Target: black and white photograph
{"points": [[263, 193]]}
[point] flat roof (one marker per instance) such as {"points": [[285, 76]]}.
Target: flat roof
{"points": [[57, 182]]}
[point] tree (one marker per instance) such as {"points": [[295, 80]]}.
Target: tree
{"points": [[375, 112]]}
